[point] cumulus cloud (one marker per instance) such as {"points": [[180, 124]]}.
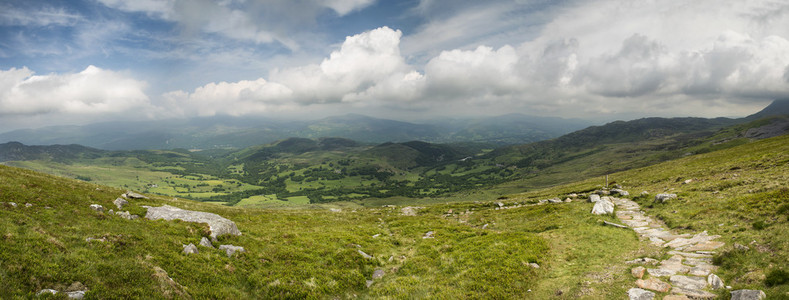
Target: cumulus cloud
{"points": [[90, 92], [236, 98]]}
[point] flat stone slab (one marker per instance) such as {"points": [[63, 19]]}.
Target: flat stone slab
{"points": [[689, 254], [706, 246], [640, 294], [682, 243], [218, 224], [693, 294], [688, 282], [653, 284], [747, 295]]}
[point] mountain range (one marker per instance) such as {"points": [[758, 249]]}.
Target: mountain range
{"points": [[240, 132]]}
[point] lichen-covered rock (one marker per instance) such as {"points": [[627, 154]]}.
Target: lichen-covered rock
{"points": [[120, 202], [230, 249], [640, 294], [715, 282], [664, 197], [603, 207], [594, 198], [190, 249], [218, 224], [97, 207], [206, 243], [133, 195], [747, 295]]}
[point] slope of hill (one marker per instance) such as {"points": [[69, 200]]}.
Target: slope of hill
{"points": [[455, 250]]}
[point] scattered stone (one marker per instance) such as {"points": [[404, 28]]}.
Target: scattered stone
{"points": [[653, 284], [568, 200], [644, 193], [76, 286], [335, 210], [133, 195], [643, 260], [191, 249], [378, 274], [664, 197], [741, 247], [620, 191], [230, 249], [715, 282], [687, 181], [365, 255], [112, 212], [485, 226], [76, 294], [640, 294], [676, 297], [409, 211], [375, 236], [534, 265], [97, 207], [90, 239], [120, 202], [28, 205], [44, 291], [638, 272], [747, 295], [126, 215], [13, 204], [573, 195], [428, 235], [206, 243], [594, 198], [603, 207], [499, 204], [555, 200], [614, 224], [218, 225]]}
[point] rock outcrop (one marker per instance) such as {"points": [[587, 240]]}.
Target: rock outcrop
{"points": [[218, 224], [97, 207], [747, 295]]}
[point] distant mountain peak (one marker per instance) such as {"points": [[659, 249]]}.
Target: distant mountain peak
{"points": [[779, 107]]}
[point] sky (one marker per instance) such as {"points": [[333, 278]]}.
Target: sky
{"points": [[84, 61]]}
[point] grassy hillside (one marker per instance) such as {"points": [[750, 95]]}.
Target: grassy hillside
{"points": [[295, 254], [476, 251]]}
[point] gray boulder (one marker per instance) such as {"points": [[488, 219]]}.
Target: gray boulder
{"points": [[190, 249], [218, 224], [715, 282], [621, 192], [747, 295], [133, 195], [603, 207], [206, 243], [365, 255], [640, 294], [594, 198], [97, 207], [13, 204], [230, 249], [120, 202], [664, 197]]}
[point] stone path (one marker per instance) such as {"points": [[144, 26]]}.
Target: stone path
{"points": [[687, 274]]}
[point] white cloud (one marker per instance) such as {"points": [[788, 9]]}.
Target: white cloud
{"points": [[236, 98], [44, 16], [343, 7], [363, 61], [92, 91]]}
